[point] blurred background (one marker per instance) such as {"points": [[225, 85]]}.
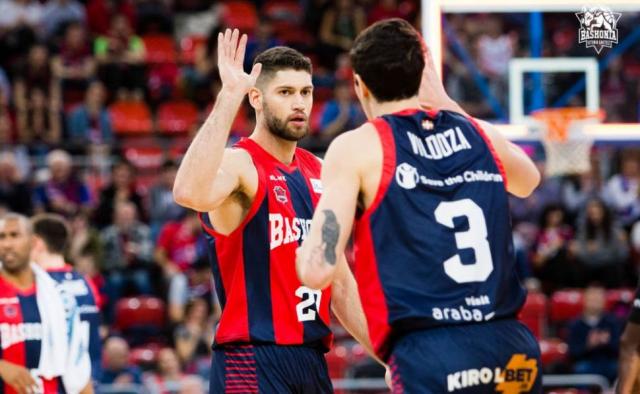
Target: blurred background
{"points": [[100, 98]]}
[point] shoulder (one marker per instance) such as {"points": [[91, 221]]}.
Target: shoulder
{"points": [[238, 160], [354, 148]]}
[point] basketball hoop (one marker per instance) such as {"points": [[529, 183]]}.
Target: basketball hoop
{"points": [[567, 147]]}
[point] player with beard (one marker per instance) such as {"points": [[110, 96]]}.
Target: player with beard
{"points": [[40, 348], [256, 201]]}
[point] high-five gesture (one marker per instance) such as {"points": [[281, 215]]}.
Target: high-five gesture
{"points": [[231, 53]]}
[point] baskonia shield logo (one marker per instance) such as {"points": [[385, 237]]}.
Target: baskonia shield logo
{"points": [[598, 27]]}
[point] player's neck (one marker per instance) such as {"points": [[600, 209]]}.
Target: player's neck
{"points": [[49, 261], [390, 107], [279, 148], [23, 279]]}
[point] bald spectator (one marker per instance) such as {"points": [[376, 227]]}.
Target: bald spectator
{"points": [[15, 195], [117, 369], [63, 193]]}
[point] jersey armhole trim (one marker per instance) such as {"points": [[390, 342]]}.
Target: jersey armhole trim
{"points": [[496, 158], [253, 209], [388, 146]]}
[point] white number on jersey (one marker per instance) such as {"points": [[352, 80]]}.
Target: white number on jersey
{"points": [[475, 238], [309, 298]]}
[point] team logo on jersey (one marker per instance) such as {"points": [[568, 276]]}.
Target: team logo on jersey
{"points": [[427, 124], [517, 377], [316, 184], [407, 176], [598, 27], [10, 311], [281, 194]]}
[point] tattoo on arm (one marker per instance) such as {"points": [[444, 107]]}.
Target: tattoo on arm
{"points": [[330, 234]]}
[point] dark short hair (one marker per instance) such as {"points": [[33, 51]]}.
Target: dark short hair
{"points": [[53, 230], [389, 58], [281, 58]]}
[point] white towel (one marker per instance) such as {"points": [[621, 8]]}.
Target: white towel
{"points": [[64, 351]]}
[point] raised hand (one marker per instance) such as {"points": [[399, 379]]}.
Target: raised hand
{"points": [[231, 53], [432, 94]]}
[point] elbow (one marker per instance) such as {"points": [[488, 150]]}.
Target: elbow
{"points": [[527, 184], [316, 278], [181, 195]]}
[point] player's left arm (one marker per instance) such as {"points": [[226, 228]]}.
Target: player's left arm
{"points": [[318, 257], [346, 305]]}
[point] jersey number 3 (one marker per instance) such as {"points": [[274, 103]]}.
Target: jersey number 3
{"points": [[475, 238]]}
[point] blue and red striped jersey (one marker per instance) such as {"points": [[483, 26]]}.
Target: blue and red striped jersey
{"points": [[261, 296], [21, 334], [435, 247], [87, 300]]}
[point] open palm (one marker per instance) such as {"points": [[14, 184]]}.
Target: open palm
{"points": [[231, 51]]}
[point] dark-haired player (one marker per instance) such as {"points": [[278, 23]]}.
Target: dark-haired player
{"points": [[257, 200], [434, 256], [51, 238]]}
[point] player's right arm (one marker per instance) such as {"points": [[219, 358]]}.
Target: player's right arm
{"points": [[208, 173], [17, 377]]}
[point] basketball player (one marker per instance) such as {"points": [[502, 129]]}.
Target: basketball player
{"points": [[40, 349], [51, 238], [629, 361], [434, 259], [257, 201]]}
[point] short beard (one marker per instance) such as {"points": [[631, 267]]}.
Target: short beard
{"points": [[279, 127]]}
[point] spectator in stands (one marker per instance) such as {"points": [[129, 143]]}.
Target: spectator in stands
{"points": [[100, 13], [90, 123], [190, 336], [386, 9], [74, 66], [15, 194], [121, 189], [39, 122], [162, 206], [550, 254], [578, 189], [58, 13], [340, 25], [128, 254], [35, 72], [594, 337], [120, 56], [63, 193], [117, 369], [341, 113], [191, 385], [600, 246], [199, 77], [194, 283], [154, 16], [622, 190], [85, 240], [495, 49], [262, 39], [167, 378], [530, 209], [20, 22], [180, 244]]}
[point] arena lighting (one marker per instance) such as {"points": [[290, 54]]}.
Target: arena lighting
{"points": [[432, 11]]}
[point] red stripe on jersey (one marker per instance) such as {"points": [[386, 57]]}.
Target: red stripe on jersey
{"points": [[369, 285], [496, 158], [11, 313], [51, 386]]}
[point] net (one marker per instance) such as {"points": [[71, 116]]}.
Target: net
{"points": [[566, 145]]}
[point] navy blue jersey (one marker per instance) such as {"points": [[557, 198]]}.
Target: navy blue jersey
{"points": [[435, 247], [87, 301]]}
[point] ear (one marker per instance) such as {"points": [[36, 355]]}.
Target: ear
{"points": [[255, 98], [360, 87]]}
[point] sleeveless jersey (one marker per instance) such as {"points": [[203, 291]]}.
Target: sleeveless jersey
{"points": [[435, 247], [87, 300], [21, 334], [261, 296]]}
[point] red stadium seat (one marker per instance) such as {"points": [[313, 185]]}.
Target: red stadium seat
{"points": [[188, 47], [619, 296], [145, 158], [144, 356], [140, 311], [553, 351], [534, 313], [241, 15], [177, 116], [130, 117], [337, 361], [159, 49], [566, 305]]}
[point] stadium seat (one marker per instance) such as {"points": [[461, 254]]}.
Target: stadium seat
{"points": [[145, 356], [553, 351], [159, 49], [140, 311], [130, 117], [566, 305], [241, 15], [337, 361], [619, 296], [188, 47], [177, 116], [534, 313], [145, 158]]}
